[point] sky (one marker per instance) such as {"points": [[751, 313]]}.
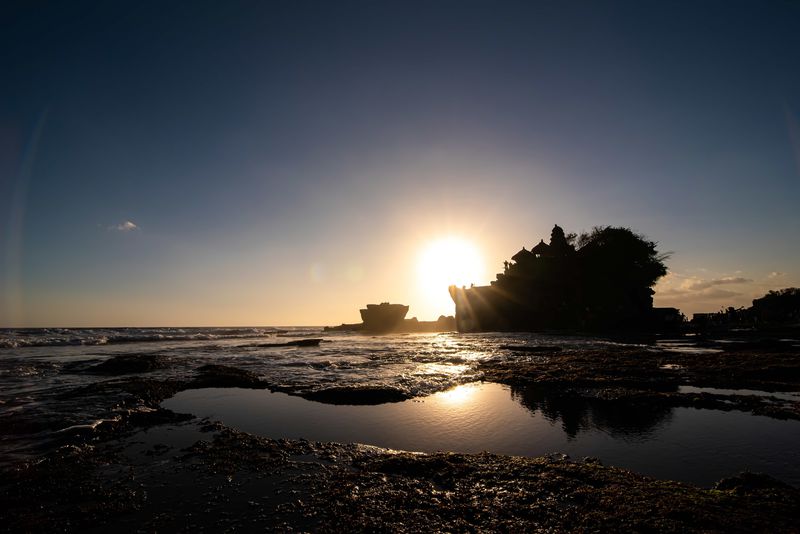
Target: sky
{"points": [[285, 163]]}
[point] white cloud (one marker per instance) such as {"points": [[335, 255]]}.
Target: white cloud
{"points": [[719, 294], [669, 286], [692, 291], [696, 284], [126, 226]]}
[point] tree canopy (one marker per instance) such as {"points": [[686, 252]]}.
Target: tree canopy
{"points": [[782, 305]]}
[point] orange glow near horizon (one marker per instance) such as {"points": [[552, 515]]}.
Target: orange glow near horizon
{"points": [[444, 262]]}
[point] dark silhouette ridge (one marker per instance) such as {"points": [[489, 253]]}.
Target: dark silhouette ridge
{"points": [[605, 283]]}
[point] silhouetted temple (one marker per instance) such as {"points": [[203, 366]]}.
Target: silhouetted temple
{"points": [[604, 283]]}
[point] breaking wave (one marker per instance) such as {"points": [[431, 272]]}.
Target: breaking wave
{"points": [[59, 337]]}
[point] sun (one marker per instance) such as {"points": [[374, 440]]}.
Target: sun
{"points": [[444, 262]]}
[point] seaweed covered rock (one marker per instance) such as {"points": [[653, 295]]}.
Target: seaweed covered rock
{"points": [[224, 376], [358, 395], [129, 364]]}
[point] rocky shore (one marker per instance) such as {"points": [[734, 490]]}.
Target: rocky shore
{"points": [[229, 481], [649, 377], [150, 469]]}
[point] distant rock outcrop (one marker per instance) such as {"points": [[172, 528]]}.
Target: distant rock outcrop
{"points": [[388, 318]]}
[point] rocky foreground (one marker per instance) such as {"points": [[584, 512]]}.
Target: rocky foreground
{"points": [[151, 469], [227, 480]]}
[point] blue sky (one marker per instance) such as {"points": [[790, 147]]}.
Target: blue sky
{"points": [[284, 163]]}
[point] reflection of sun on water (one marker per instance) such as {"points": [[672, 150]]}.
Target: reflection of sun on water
{"points": [[444, 262], [458, 395]]}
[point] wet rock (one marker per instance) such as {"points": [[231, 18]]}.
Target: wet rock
{"points": [[762, 345], [312, 342], [367, 395], [747, 482], [417, 465], [160, 416], [211, 426], [150, 392], [646, 374], [528, 348], [224, 376], [129, 364], [20, 423], [244, 482]]}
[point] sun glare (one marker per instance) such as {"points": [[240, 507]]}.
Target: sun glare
{"points": [[458, 395], [445, 262]]}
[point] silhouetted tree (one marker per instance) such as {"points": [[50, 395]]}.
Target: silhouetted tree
{"points": [[618, 269], [579, 413], [625, 252], [780, 306], [559, 244]]}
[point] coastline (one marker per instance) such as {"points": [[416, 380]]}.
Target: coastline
{"points": [[152, 467]]}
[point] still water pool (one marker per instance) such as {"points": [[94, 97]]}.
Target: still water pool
{"points": [[686, 444]]}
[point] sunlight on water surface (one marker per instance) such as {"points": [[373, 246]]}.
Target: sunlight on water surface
{"points": [[698, 446]]}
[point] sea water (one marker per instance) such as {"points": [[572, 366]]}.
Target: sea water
{"points": [[41, 369], [686, 444]]}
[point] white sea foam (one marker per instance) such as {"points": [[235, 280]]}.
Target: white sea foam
{"points": [[57, 337]]}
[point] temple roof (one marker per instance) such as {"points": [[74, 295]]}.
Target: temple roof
{"points": [[521, 255], [542, 248]]}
